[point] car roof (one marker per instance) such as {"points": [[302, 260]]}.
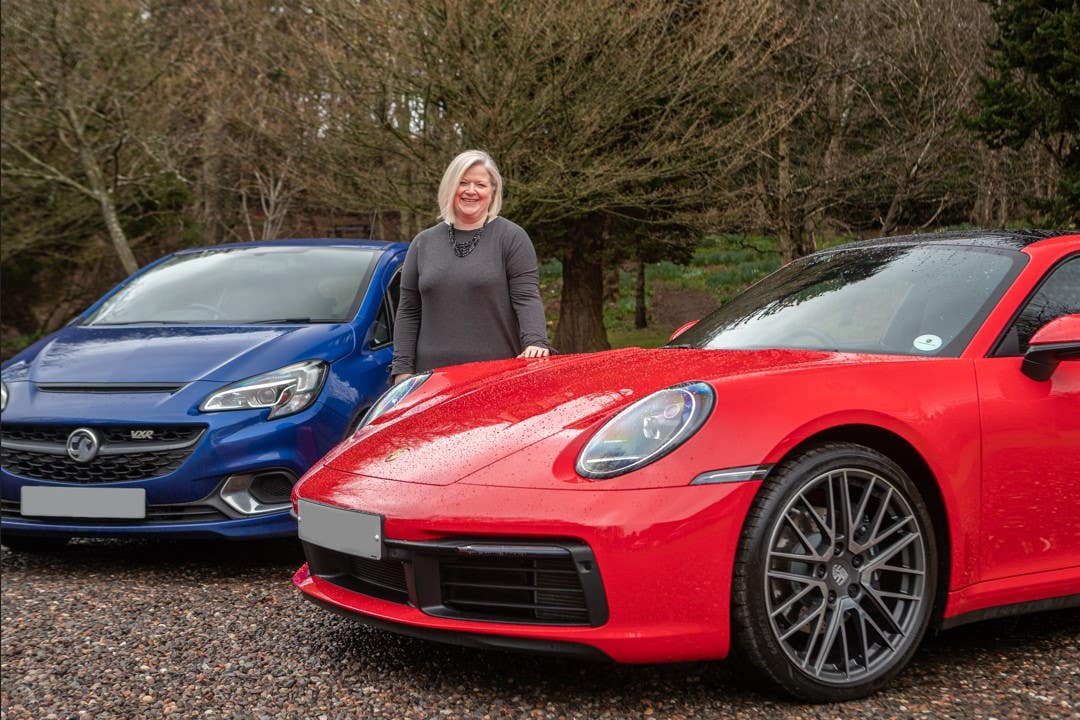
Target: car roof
{"points": [[299, 242], [1003, 239]]}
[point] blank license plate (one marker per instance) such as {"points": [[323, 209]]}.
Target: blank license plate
{"points": [[346, 531], [113, 503]]}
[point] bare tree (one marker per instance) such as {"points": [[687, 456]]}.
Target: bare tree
{"points": [[875, 136], [250, 112], [78, 101], [927, 86]]}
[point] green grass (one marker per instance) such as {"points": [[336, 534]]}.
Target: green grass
{"points": [[722, 266], [621, 337]]}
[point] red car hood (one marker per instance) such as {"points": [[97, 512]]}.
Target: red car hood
{"points": [[491, 410]]}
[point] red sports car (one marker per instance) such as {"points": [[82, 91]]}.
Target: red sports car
{"points": [[874, 440]]}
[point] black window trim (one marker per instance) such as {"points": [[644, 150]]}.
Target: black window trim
{"points": [[391, 311], [997, 349]]}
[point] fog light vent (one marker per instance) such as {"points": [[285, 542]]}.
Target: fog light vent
{"points": [[272, 487], [257, 493]]}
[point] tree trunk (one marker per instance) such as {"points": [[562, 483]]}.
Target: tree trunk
{"points": [[212, 179], [640, 311], [581, 306], [796, 237], [612, 277], [796, 242], [116, 234], [991, 204], [764, 209], [789, 235], [893, 215], [103, 195]]}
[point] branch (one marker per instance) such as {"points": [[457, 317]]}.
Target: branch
{"points": [[941, 206], [48, 172]]}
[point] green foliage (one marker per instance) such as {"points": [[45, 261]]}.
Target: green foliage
{"points": [[550, 270], [735, 261], [719, 268], [1032, 92]]}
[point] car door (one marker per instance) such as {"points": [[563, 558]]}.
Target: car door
{"points": [[1031, 444]]}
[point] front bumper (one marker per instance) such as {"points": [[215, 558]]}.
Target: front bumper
{"points": [[664, 557], [185, 501], [267, 526]]}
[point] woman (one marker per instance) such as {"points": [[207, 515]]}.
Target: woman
{"points": [[469, 286]]}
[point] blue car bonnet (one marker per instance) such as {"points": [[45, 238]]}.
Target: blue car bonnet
{"points": [[179, 354]]}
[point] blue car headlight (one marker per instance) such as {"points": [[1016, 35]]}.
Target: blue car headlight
{"points": [[285, 391], [3, 396], [393, 396], [646, 431]]}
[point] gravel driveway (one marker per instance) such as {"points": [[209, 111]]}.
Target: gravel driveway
{"points": [[134, 629]]}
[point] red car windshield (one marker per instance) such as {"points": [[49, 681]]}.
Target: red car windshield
{"points": [[893, 299]]}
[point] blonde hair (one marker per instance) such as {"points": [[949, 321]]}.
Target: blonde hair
{"points": [[454, 172]]}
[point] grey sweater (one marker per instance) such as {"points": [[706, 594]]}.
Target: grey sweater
{"points": [[484, 306]]}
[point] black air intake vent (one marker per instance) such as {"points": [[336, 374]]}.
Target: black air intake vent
{"points": [[526, 582]]}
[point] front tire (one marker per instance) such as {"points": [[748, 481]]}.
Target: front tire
{"points": [[835, 574]]}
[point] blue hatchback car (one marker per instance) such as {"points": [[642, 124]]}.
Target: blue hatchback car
{"points": [[189, 399]]}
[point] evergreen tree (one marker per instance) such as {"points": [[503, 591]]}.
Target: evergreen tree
{"points": [[1032, 93]]}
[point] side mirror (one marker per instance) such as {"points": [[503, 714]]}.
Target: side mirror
{"points": [[1055, 341], [681, 329]]}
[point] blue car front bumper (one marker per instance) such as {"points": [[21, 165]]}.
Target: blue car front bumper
{"points": [[223, 474]]}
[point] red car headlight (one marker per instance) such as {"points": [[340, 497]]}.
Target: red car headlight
{"points": [[647, 430]]}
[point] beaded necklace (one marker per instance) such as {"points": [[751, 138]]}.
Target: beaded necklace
{"points": [[464, 248]]}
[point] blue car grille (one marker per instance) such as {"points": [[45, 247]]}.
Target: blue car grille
{"points": [[126, 452], [189, 512]]}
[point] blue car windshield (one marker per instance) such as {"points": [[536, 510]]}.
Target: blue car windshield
{"points": [[259, 284], [919, 299]]}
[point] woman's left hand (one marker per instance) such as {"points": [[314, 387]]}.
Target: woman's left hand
{"points": [[533, 351]]}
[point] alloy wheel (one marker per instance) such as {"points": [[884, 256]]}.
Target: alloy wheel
{"points": [[846, 576]]}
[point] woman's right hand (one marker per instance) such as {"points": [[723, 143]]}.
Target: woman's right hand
{"points": [[534, 351], [402, 376]]}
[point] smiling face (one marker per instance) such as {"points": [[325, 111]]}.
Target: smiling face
{"points": [[472, 198]]}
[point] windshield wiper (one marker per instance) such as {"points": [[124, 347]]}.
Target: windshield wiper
{"points": [[144, 322], [286, 321], [271, 321]]}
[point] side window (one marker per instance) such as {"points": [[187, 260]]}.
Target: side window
{"points": [[1059, 294], [383, 332]]}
